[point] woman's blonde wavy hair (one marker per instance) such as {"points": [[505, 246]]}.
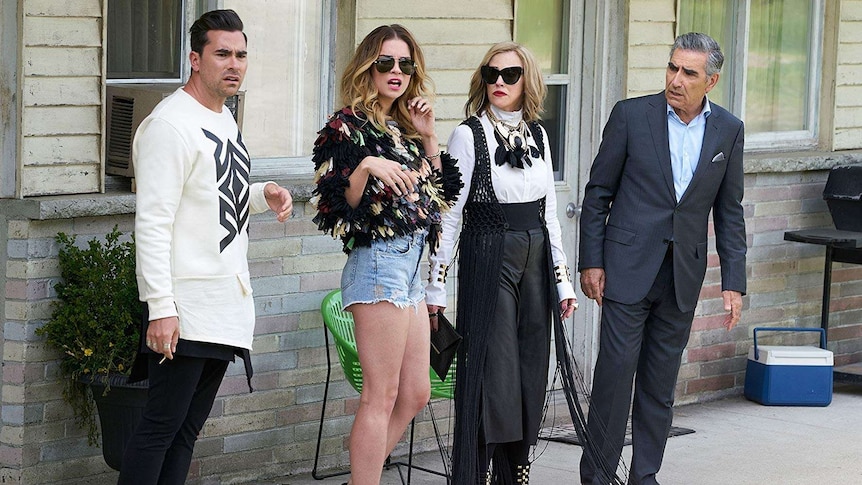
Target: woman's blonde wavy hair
{"points": [[534, 84], [357, 87]]}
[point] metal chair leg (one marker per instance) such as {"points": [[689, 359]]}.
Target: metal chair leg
{"points": [[410, 466], [314, 473], [444, 457], [410, 451]]}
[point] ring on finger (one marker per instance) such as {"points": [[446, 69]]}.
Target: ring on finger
{"points": [[166, 346], [404, 167]]}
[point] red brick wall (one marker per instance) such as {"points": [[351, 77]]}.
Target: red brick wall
{"points": [[785, 282]]}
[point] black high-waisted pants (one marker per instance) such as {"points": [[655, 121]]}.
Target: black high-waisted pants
{"points": [[516, 365]]}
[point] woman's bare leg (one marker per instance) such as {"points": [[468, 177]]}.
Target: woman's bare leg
{"points": [[386, 337], [414, 387]]}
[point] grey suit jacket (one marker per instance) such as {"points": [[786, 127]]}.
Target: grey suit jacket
{"points": [[630, 211]]}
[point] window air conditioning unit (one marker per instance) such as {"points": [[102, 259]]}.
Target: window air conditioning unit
{"points": [[128, 105]]}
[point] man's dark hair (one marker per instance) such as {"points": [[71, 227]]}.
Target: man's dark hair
{"points": [[697, 42], [226, 20]]}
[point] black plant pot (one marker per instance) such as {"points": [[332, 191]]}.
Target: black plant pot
{"points": [[119, 413]]}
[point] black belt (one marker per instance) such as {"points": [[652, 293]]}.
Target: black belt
{"points": [[523, 216]]}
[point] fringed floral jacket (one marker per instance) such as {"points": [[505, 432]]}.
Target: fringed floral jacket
{"points": [[346, 140]]}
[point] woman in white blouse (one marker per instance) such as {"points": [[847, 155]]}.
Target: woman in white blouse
{"points": [[512, 268]]}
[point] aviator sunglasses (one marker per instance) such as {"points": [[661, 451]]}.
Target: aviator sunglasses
{"points": [[384, 64], [510, 74]]}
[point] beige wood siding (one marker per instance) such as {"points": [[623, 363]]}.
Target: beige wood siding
{"points": [[652, 25], [848, 80], [61, 92]]}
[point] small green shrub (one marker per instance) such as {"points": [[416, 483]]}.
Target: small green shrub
{"points": [[96, 318]]}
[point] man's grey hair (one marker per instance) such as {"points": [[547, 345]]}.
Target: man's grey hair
{"points": [[695, 41]]}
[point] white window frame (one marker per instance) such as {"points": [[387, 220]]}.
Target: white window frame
{"points": [[278, 168], [568, 137], [774, 140], [192, 9], [568, 140], [9, 62]]}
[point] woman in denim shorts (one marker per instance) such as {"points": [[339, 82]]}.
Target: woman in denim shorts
{"points": [[382, 185]]}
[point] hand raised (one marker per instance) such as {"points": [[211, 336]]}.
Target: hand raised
{"points": [[422, 116]]}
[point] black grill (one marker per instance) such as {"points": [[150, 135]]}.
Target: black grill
{"points": [[120, 142], [843, 195]]}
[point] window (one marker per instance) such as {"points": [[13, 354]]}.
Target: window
{"points": [[287, 83], [543, 26], [145, 39], [770, 77], [287, 93]]}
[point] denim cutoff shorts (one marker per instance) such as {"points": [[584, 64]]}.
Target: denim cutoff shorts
{"points": [[388, 270]]}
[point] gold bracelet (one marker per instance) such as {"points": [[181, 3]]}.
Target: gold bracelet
{"points": [[432, 157]]}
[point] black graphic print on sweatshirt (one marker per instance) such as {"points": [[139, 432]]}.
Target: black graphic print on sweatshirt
{"points": [[232, 168]]}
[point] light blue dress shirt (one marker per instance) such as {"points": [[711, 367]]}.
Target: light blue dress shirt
{"points": [[685, 142]]}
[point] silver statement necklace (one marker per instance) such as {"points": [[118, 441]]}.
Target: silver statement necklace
{"points": [[512, 146]]}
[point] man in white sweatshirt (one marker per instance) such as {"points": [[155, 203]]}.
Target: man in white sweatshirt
{"points": [[194, 200]]}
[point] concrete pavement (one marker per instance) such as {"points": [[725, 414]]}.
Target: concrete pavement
{"points": [[735, 442]]}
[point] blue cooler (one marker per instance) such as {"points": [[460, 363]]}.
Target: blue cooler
{"points": [[789, 375]]}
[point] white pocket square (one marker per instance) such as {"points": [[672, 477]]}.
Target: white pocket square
{"points": [[719, 157]]}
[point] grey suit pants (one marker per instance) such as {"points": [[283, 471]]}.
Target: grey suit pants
{"points": [[644, 341]]}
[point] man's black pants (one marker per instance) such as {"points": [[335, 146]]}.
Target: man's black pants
{"points": [[179, 400]]}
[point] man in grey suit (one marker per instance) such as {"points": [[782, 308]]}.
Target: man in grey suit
{"points": [[665, 161]]}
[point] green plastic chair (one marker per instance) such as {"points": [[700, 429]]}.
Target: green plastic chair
{"points": [[339, 324]]}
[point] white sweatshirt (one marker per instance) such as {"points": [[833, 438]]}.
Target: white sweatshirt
{"points": [[511, 185], [191, 223]]}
